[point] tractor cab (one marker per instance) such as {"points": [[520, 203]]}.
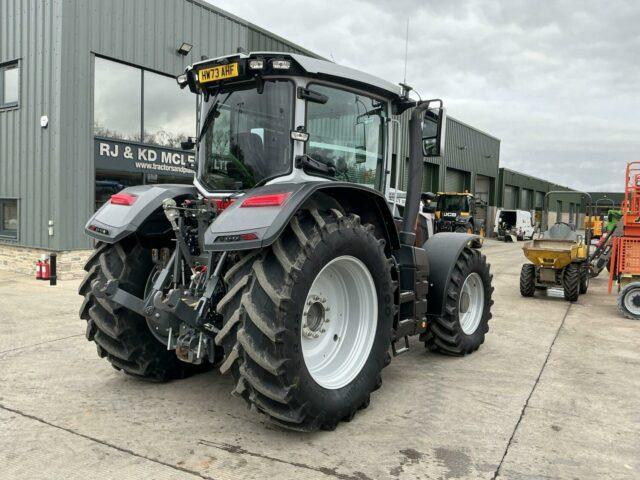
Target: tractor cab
{"points": [[269, 118], [455, 212]]}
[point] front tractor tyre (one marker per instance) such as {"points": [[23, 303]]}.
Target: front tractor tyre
{"points": [[308, 321], [121, 335], [467, 310], [528, 280]]}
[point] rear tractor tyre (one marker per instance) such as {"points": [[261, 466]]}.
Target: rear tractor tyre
{"points": [[528, 280], [308, 321], [122, 336], [571, 282], [462, 327], [629, 301], [585, 275]]}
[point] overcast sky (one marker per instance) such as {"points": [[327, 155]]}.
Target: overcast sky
{"points": [[557, 81]]}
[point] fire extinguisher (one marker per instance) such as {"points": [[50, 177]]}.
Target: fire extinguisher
{"points": [[45, 270], [39, 270]]}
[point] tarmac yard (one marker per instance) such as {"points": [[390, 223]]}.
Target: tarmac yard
{"points": [[553, 393]]}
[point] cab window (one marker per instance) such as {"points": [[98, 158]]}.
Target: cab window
{"points": [[347, 132]]}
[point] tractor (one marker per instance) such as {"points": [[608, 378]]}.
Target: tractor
{"points": [[458, 212], [284, 264]]}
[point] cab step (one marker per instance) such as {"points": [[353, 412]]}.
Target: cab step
{"points": [[403, 349]]}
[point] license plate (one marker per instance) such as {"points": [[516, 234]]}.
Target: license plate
{"points": [[215, 74]]}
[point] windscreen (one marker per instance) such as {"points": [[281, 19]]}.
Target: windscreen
{"points": [[246, 136], [453, 203]]}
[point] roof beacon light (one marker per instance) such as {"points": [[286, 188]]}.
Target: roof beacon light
{"points": [[281, 64], [256, 64]]}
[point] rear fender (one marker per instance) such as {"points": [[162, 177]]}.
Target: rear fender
{"points": [[111, 223], [443, 250], [240, 228]]}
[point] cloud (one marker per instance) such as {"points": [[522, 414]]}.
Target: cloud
{"points": [[556, 81]]}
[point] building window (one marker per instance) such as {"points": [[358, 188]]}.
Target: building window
{"points": [[8, 218], [110, 183], [9, 85], [117, 103], [169, 112], [141, 106]]}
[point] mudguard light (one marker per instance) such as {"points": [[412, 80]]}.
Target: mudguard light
{"points": [[127, 199], [268, 200]]}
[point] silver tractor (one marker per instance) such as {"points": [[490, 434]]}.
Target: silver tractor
{"points": [[285, 263]]}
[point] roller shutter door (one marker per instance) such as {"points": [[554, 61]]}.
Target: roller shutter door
{"points": [[430, 178], [525, 204], [454, 180], [509, 197], [539, 200], [483, 188]]}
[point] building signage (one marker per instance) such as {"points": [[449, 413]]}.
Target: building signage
{"points": [[123, 156]]}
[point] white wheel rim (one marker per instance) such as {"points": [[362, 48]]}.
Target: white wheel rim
{"points": [[339, 321], [471, 303], [629, 298]]}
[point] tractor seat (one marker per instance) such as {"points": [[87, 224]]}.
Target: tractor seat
{"points": [[561, 231]]}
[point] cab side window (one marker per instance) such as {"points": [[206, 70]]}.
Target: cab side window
{"points": [[347, 132]]}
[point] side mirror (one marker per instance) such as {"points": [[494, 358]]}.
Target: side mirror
{"points": [[188, 144], [433, 131]]}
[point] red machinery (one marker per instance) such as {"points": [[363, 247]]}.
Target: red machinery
{"points": [[625, 255]]}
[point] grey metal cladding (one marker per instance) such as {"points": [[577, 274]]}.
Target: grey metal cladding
{"points": [[512, 179], [30, 32], [51, 170], [466, 148]]}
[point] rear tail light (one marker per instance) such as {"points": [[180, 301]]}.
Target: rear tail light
{"points": [[268, 200], [127, 199], [222, 203]]}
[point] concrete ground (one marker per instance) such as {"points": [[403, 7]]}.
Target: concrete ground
{"points": [[553, 393]]}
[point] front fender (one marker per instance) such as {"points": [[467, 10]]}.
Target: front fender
{"points": [[443, 250], [261, 226], [111, 223]]}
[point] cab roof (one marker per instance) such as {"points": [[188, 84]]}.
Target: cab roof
{"points": [[321, 69]]}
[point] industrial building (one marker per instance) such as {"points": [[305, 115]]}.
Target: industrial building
{"points": [[89, 105], [470, 161], [525, 192]]}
